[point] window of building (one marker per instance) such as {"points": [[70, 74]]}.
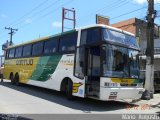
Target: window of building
{"points": [[18, 52], [68, 43], [27, 50], [37, 48], [11, 53], [51, 46]]}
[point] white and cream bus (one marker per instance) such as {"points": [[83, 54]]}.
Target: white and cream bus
{"points": [[94, 61]]}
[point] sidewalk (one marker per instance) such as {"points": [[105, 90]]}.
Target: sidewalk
{"points": [[139, 106], [153, 103]]}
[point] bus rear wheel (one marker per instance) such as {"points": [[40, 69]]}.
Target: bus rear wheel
{"points": [[16, 79], [12, 78], [69, 87]]}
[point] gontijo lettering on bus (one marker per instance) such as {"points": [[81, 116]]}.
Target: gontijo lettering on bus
{"points": [[24, 62]]}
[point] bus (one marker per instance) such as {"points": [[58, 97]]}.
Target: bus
{"points": [[156, 70], [97, 61]]}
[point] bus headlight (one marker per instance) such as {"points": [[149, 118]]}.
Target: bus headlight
{"points": [[107, 84]]}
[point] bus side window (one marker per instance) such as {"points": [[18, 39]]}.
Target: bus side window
{"points": [[37, 48], [6, 54], [51, 46], [11, 53], [90, 36], [83, 37], [93, 35], [27, 50], [68, 43], [18, 52]]}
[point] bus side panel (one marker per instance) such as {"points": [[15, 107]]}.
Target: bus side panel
{"points": [[61, 68], [7, 68], [45, 68], [23, 66], [65, 69]]}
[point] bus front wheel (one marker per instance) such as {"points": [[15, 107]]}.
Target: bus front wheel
{"points": [[69, 87]]}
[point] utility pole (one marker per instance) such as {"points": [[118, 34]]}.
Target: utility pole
{"points": [[12, 31], [66, 12], [149, 86]]}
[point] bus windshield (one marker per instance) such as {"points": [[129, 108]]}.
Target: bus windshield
{"points": [[120, 62], [134, 63], [120, 37], [116, 62]]}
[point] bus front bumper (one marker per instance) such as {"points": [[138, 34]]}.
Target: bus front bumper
{"points": [[120, 93]]}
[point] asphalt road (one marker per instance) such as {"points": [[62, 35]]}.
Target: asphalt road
{"points": [[26, 99]]}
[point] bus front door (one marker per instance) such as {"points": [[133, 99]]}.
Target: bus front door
{"points": [[87, 70], [93, 71]]}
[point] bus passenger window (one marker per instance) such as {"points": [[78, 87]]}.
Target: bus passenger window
{"points": [[11, 53], [50, 46], [83, 37], [90, 36], [7, 54], [93, 35], [27, 50], [37, 48], [18, 52], [68, 43]]}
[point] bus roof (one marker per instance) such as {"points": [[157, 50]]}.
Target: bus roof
{"points": [[81, 28], [106, 26]]}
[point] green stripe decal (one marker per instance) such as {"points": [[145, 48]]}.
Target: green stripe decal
{"points": [[138, 81], [45, 67]]}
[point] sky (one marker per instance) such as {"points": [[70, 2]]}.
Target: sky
{"points": [[39, 18]]}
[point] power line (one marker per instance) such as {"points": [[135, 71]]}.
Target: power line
{"points": [[45, 1], [48, 13], [36, 12], [42, 10], [39, 5], [118, 6], [131, 12], [108, 6], [128, 13]]}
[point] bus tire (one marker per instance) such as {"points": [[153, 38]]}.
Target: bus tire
{"points": [[12, 78], [1, 77], [69, 87], [16, 79]]}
